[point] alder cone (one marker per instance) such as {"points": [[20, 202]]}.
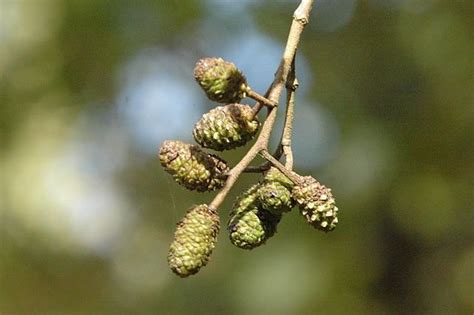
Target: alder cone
{"points": [[316, 204], [221, 80], [275, 192], [275, 197], [194, 240], [250, 225], [191, 167], [226, 127]]}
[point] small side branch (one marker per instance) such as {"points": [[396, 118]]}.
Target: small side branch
{"points": [[291, 86], [288, 173], [258, 168], [259, 105], [259, 98]]}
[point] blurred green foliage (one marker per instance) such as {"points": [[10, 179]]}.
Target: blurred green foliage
{"points": [[398, 78]]}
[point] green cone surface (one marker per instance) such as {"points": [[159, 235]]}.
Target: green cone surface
{"points": [[194, 240], [275, 197], [249, 225], [316, 203], [226, 127], [275, 192], [191, 167], [221, 80]]}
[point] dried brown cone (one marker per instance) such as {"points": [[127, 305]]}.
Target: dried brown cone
{"points": [[226, 127], [191, 167], [316, 204], [194, 240]]}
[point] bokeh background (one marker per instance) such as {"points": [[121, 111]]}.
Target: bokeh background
{"points": [[385, 116]]}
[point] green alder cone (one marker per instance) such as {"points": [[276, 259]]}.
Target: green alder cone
{"points": [[194, 240], [275, 192], [226, 127], [222, 81], [275, 197], [191, 167], [250, 225], [316, 203]]}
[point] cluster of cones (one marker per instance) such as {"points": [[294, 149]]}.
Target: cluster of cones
{"points": [[258, 210]]}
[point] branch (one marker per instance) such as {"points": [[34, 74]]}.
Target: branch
{"points": [[300, 19], [259, 105], [288, 173], [285, 140], [258, 168], [259, 98]]}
